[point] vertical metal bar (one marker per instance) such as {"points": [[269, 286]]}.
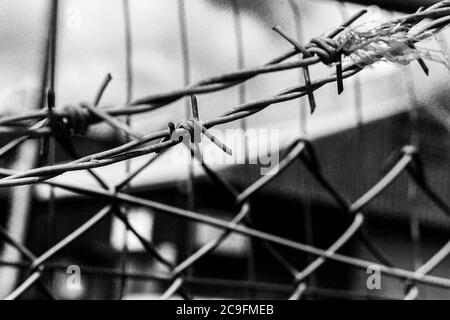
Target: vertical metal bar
{"points": [[239, 37], [305, 199], [242, 92], [360, 129], [414, 139], [51, 100], [129, 97], [128, 53], [242, 88], [19, 210], [187, 74], [53, 47], [51, 208], [28, 157]]}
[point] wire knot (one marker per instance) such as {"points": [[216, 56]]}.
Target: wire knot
{"points": [[76, 119], [192, 130], [327, 49]]}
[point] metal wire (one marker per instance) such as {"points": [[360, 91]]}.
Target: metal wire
{"points": [[54, 123]]}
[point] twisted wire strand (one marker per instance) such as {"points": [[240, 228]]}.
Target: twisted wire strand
{"points": [[439, 11], [205, 86], [122, 153]]}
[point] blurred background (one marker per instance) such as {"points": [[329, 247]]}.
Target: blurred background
{"points": [[382, 109]]}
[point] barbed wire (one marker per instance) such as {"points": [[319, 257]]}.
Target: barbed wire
{"points": [[61, 124], [323, 49]]}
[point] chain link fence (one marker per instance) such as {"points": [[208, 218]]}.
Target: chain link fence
{"points": [[348, 50]]}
